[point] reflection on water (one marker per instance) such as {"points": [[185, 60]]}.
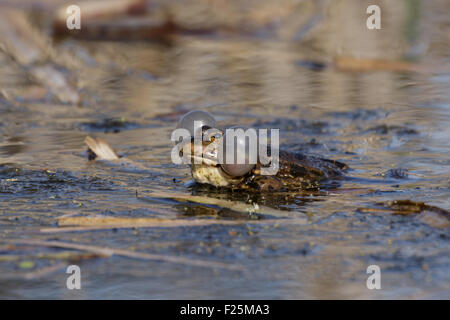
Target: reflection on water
{"points": [[373, 121]]}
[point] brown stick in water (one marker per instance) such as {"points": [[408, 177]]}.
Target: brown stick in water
{"points": [[106, 251]]}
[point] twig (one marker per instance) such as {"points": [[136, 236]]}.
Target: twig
{"points": [[77, 224], [233, 205], [128, 253], [44, 271], [138, 222], [93, 10]]}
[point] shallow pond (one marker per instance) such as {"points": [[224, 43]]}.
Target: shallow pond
{"points": [[376, 122]]}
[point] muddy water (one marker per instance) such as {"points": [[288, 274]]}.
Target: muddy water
{"points": [[135, 93]]}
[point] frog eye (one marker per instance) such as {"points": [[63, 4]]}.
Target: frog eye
{"points": [[195, 120], [211, 135], [236, 168], [215, 137]]}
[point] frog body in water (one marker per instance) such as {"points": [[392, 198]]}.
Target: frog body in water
{"points": [[296, 172]]}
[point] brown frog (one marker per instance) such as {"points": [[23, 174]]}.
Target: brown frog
{"points": [[296, 171]]}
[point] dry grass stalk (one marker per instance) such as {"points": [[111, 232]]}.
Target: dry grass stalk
{"points": [[79, 224], [107, 251], [233, 205]]}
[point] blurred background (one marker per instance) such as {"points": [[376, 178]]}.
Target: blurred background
{"points": [[378, 100]]}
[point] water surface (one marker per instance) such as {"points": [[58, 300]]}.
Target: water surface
{"points": [[373, 121]]}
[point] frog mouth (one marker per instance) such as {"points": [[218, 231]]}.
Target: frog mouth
{"points": [[209, 161], [201, 154], [205, 160]]}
